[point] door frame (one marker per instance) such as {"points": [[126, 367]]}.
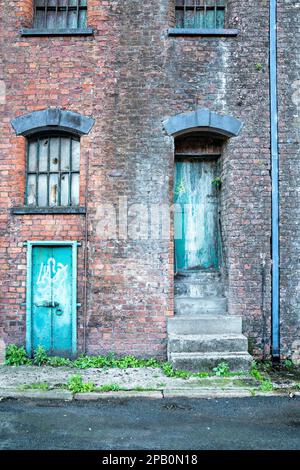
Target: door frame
{"points": [[30, 244], [199, 157]]}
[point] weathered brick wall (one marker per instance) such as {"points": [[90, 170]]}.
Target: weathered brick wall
{"points": [[130, 77], [289, 153]]}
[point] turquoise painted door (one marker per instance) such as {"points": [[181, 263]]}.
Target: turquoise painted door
{"points": [[51, 298], [196, 215]]}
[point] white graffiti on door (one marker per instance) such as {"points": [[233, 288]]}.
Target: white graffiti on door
{"points": [[51, 281]]}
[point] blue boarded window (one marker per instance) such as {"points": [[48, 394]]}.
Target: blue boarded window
{"points": [[60, 14], [206, 14]]}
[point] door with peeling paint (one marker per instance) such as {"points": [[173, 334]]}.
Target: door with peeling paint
{"points": [[196, 214], [51, 299]]}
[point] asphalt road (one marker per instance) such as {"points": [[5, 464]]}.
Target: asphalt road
{"points": [[181, 424]]}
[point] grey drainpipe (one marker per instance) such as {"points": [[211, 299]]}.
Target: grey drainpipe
{"points": [[275, 181]]}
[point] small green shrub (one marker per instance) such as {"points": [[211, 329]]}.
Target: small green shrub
{"points": [[16, 356], [222, 369], [76, 384], [40, 356]]}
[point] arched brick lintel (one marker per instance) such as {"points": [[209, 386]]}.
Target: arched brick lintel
{"points": [[203, 119], [52, 119]]}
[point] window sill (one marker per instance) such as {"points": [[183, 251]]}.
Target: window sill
{"points": [[202, 32], [57, 32], [48, 210]]}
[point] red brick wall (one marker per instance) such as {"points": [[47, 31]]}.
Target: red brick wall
{"points": [[129, 77]]}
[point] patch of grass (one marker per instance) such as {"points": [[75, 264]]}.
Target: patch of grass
{"points": [[108, 388], [35, 386], [144, 389], [76, 385]]}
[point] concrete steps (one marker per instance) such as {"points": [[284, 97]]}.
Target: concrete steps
{"points": [[198, 284], [201, 334], [196, 362], [205, 325], [200, 305], [207, 343]]}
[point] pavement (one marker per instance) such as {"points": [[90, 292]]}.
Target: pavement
{"points": [[50, 383], [144, 423]]}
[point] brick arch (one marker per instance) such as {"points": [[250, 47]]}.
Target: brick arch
{"points": [[52, 119], [203, 120]]}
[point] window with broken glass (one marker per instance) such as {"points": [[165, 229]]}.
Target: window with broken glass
{"points": [[201, 14], [60, 14], [53, 171]]}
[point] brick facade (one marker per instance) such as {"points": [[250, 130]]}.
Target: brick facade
{"points": [[130, 76]]}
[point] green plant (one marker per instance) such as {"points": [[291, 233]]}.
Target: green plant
{"points": [[40, 356], [76, 384], [168, 370], [222, 369], [35, 386], [56, 361], [288, 364], [108, 388], [16, 356], [259, 67], [266, 386], [255, 372], [217, 182]]}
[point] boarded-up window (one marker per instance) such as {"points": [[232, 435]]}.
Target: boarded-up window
{"points": [[53, 171], [60, 14], [207, 14]]}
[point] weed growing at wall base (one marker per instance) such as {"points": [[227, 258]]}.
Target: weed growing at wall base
{"points": [[16, 356]]}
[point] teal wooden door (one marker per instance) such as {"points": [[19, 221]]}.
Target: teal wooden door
{"points": [[52, 299], [196, 215]]}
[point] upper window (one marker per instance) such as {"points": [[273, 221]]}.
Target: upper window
{"points": [[60, 14], [204, 14], [53, 170]]}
